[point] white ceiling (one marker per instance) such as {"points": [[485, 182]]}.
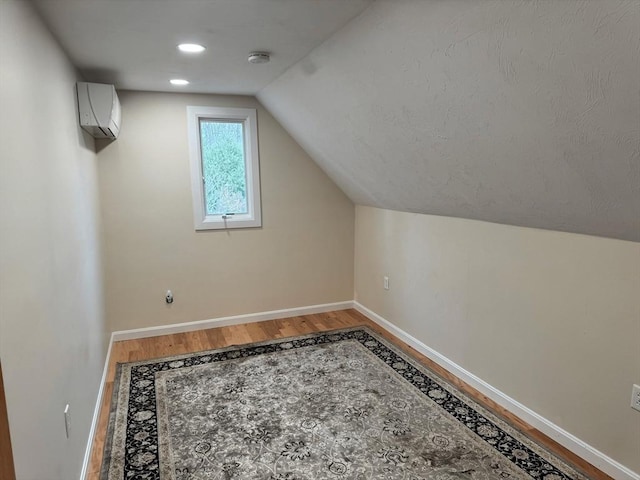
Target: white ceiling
{"points": [[132, 43], [518, 112], [509, 111]]}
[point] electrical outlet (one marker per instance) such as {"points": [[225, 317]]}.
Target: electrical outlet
{"points": [[635, 397], [67, 420], [386, 283]]}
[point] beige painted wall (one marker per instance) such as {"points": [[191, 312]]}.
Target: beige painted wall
{"points": [[551, 319], [52, 334], [303, 254]]}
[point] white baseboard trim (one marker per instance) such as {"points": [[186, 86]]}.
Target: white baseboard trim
{"points": [[226, 321], [96, 414], [564, 438]]}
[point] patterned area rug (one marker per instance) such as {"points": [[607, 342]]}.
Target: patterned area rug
{"points": [[337, 405]]}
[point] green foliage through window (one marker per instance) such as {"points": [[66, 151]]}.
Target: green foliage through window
{"points": [[223, 167]]}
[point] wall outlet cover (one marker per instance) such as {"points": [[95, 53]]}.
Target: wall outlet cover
{"points": [[67, 420], [635, 398]]}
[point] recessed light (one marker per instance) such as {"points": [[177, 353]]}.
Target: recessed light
{"points": [[259, 57], [179, 81], [191, 48]]}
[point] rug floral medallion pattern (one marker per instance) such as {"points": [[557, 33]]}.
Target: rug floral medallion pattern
{"points": [[337, 405]]}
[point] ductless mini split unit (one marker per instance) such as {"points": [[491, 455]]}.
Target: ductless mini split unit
{"points": [[99, 109]]}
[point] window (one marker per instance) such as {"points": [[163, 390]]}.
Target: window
{"points": [[225, 169]]}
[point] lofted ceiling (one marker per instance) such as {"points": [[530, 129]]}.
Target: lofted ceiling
{"points": [[132, 43], [518, 112]]}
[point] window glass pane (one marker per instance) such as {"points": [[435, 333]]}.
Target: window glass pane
{"points": [[223, 167]]}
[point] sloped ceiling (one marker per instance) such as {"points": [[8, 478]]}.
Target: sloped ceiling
{"points": [[517, 112]]}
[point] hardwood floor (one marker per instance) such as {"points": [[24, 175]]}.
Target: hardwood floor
{"points": [[7, 471], [147, 348]]}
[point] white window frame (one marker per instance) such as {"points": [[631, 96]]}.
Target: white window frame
{"points": [[248, 118]]}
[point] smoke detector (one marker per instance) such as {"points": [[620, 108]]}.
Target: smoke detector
{"points": [[259, 57]]}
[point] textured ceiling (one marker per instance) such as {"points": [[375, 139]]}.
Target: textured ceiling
{"points": [[132, 43], [518, 112]]}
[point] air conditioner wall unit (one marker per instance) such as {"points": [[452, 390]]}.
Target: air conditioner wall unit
{"points": [[99, 109]]}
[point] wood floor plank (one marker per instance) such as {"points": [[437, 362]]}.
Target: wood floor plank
{"points": [[236, 335], [196, 342], [215, 337], [7, 470], [162, 346]]}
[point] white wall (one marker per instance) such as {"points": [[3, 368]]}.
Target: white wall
{"points": [[302, 255], [52, 341], [551, 319]]}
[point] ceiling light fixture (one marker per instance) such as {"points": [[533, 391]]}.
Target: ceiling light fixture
{"points": [[259, 57], [178, 81], [191, 48]]}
